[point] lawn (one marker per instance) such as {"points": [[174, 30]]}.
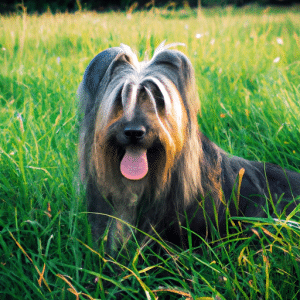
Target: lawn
{"points": [[247, 63]]}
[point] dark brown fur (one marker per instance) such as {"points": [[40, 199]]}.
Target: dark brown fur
{"points": [[189, 177]]}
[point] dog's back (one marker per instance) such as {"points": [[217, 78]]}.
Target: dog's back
{"points": [[265, 189]]}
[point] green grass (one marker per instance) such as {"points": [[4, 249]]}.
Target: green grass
{"points": [[250, 107]]}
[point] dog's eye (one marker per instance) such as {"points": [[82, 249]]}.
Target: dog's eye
{"points": [[157, 95], [118, 101], [160, 102], [159, 99]]}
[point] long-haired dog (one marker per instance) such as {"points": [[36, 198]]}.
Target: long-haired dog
{"points": [[145, 162]]}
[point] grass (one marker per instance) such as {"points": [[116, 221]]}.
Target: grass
{"points": [[247, 64]]}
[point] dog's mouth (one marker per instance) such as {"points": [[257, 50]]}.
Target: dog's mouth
{"points": [[134, 164]]}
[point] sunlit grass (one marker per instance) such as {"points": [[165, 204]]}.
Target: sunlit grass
{"points": [[247, 64]]}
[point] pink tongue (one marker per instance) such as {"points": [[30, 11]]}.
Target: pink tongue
{"points": [[134, 165]]}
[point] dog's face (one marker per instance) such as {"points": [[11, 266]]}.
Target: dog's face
{"points": [[135, 132], [142, 115]]}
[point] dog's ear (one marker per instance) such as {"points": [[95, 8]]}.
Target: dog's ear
{"points": [[178, 68], [97, 68], [175, 59], [167, 57]]}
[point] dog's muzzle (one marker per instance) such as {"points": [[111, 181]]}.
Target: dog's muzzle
{"points": [[134, 133], [134, 164]]}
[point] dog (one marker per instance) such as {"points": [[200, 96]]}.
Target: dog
{"points": [[146, 165]]}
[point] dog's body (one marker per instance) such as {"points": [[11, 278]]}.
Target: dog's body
{"points": [[145, 163]]}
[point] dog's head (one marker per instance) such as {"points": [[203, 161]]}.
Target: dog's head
{"points": [[137, 116]]}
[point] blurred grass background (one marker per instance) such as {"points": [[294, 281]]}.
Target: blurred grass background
{"points": [[247, 64]]}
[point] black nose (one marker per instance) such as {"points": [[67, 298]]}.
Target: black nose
{"points": [[134, 132]]}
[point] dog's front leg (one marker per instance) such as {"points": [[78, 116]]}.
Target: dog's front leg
{"points": [[121, 229], [100, 211], [122, 224]]}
